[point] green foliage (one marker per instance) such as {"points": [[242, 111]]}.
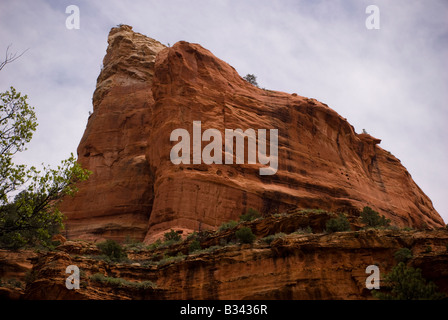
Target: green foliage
{"points": [[192, 236], [122, 283], [338, 224], [372, 218], [268, 239], [306, 230], [208, 249], [245, 235], [168, 259], [228, 225], [132, 244], [33, 216], [403, 255], [281, 214], [155, 244], [250, 215], [408, 283], [17, 125], [112, 250], [315, 211], [11, 283], [172, 236], [251, 78], [195, 245]]}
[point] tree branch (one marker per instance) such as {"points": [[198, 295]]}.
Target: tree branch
{"points": [[10, 57]]}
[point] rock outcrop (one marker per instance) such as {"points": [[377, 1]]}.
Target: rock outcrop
{"points": [[117, 200], [306, 264], [147, 90]]}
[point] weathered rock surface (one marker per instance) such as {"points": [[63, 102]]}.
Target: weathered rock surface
{"points": [[293, 266], [146, 90], [14, 266], [117, 199]]}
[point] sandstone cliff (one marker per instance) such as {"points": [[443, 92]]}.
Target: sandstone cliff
{"points": [[299, 263], [147, 90]]}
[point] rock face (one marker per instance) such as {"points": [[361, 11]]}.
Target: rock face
{"points": [[147, 90], [304, 266], [117, 200]]}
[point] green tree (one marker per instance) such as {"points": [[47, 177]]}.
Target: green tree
{"points": [[251, 78], [372, 218], [250, 215], [403, 255], [228, 225], [245, 235], [195, 245], [32, 216], [17, 125], [113, 250], [172, 236], [338, 224], [407, 283]]}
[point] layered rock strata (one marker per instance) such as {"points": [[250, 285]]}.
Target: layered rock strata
{"points": [[147, 90]]}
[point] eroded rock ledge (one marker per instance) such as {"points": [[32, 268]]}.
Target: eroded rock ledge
{"points": [[298, 264]]}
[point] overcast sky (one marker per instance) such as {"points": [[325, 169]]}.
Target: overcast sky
{"points": [[393, 82]]}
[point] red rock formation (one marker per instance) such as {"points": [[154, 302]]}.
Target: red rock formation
{"points": [[295, 266], [117, 199], [14, 266], [145, 91]]}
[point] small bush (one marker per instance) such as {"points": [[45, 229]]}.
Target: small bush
{"points": [[338, 224], [306, 230], [192, 236], [245, 235], [195, 245], [168, 259], [121, 283], [268, 239], [281, 214], [132, 244], [316, 211], [11, 283], [408, 283], [113, 250], [155, 244], [228, 225], [209, 249], [168, 243], [172, 235], [251, 214], [372, 218], [251, 78], [403, 255]]}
